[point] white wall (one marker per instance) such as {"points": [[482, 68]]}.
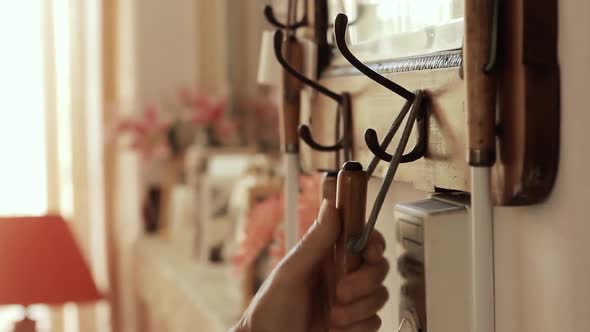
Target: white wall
{"points": [[167, 47], [542, 253], [156, 56]]}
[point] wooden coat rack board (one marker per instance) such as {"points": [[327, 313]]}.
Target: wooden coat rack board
{"points": [[528, 119], [375, 107]]}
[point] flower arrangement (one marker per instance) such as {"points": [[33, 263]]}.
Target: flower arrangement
{"points": [[162, 133], [265, 112], [264, 220], [209, 114], [148, 133]]}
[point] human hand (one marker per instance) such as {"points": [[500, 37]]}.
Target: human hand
{"points": [[294, 296]]}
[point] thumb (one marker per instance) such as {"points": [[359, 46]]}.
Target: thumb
{"points": [[316, 244]]}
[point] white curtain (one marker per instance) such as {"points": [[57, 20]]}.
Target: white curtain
{"points": [[51, 132]]}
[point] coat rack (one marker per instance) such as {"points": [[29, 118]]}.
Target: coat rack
{"points": [[453, 114], [378, 149], [526, 130], [289, 119], [272, 19], [342, 100]]}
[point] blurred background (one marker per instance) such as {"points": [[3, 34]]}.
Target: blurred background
{"points": [[104, 101], [151, 128], [146, 133]]}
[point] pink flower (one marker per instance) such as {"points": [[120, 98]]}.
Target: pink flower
{"points": [[192, 98], [309, 201], [217, 109], [200, 103], [263, 231], [225, 129], [148, 133], [206, 111], [309, 206], [263, 219], [203, 109], [264, 110]]}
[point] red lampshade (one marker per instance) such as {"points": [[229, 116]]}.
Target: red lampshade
{"points": [[41, 263]]}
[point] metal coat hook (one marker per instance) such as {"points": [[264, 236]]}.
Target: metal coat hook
{"points": [[278, 47], [354, 21], [345, 141], [356, 245], [494, 31], [378, 149], [342, 99], [340, 26], [272, 19]]}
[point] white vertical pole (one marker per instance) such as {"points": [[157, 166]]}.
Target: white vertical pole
{"points": [[291, 191], [482, 251]]}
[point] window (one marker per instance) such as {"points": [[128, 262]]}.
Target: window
{"points": [[385, 29], [23, 169], [23, 183]]}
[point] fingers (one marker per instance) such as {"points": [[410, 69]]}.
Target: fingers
{"points": [[365, 308], [363, 282], [369, 325], [375, 248], [315, 245]]}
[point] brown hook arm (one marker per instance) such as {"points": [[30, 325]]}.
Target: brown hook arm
{"points": [[340, 26], [278, 46], [378, 149], [272, 19], [307, 137], [343, 142]]}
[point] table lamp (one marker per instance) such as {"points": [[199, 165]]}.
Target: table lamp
{"points": [[41, 264]]}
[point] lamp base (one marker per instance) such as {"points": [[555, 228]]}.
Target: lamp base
{"points": [[25, 325]]}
